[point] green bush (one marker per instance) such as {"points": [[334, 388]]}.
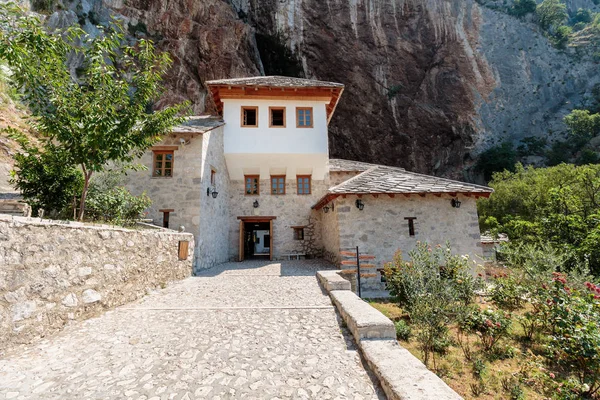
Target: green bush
{"points": [[497, 159], [490, 325], [403, 330], [521, 8], [508, 292]]}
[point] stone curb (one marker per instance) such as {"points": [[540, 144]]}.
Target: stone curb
{"points": [[331, 280], [402, 375]]}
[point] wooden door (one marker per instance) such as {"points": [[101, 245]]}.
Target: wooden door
{"points": [[271, 240], [242, 241]]}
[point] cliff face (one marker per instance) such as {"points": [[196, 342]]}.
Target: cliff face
{"points": [[429, 83]]}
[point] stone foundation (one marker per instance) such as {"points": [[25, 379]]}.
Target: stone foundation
{"points": [[52, 272]]}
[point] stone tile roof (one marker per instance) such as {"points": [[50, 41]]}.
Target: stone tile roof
{"points": [[275, 81], [199, 124], [390, 180], [340, 165]]}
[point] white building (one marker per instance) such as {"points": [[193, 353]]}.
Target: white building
{"points": [[259, 183]]}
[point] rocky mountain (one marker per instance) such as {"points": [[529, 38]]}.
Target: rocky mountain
{"points": [[429, 83]]}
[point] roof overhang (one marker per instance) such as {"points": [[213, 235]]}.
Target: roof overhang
{"points": [[332, 196], [331, 95]]}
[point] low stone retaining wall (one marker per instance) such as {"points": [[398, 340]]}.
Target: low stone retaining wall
{"points": [[52, 271], [402, 375]]}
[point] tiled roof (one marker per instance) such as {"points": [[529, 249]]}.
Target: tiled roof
{"points": [[275, 81], [199, 124], [339, 165], [381, 179]]}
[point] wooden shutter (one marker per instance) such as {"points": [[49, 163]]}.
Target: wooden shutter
{"points": [[242, 239]]}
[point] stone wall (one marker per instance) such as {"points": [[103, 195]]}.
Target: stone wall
{"points": [[52, 272], [181, 192], [380, 229], [331, 236], [212, 238], [290, 209]]}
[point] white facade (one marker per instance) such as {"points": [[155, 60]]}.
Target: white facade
{"points": [[266, 150]]}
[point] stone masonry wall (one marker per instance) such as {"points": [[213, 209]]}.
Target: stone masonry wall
{"points": [[52, 272], [290, 209], [181, 192], [331, 236], [212, 238], [380, 229]]}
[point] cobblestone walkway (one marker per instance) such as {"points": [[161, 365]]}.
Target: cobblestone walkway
{"points": [[251, 330]]}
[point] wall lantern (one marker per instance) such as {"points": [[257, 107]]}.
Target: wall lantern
{"points": [[255, 204], [455, 203], [213, 192], [360, 205]]}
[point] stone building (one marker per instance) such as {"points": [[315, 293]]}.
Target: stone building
{"points": [[257, 182]]}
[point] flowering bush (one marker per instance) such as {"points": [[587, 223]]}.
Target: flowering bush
{"points": [[574, 317], [490, 325], [508, 292]]}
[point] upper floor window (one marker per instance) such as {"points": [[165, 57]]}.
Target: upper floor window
{"points": [[277, 184], [303, 184], [304, 117], [276, 117], [250, 117], [162, 163], [252, 183]]}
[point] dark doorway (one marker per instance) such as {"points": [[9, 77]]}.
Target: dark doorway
{"points": [[257, 240]]}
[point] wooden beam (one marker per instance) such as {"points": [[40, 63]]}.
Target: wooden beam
{"points": [[391, 195]]}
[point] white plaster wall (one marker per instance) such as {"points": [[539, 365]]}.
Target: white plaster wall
{"points": [[262, 149], [380, 229], [290, 209], [213, 232]]}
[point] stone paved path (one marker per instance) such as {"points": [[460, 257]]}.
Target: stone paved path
{"points": [[252, 330]]}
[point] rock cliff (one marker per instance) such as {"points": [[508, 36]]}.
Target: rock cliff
{"points": [[429, 83]]}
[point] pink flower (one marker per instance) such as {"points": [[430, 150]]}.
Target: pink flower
{"points": [[552, 375], [498, 325], [488, 322]]}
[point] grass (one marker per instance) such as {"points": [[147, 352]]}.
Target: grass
{"points": [[490, 377]]}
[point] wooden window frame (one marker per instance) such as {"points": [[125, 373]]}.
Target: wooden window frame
{"points": [[411, 225], [244, 108], [271, 187], [298, 232], [163, 168], [257, 177], [312, 117], [299, 186], [271, 109]]}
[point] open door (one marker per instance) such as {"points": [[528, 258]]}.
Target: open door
{"points": [[242, 236], [271, 240]]}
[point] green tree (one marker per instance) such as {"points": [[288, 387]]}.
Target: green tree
{"points": [[583, 124], [551, 13], [498, 158], [43, 177], [99, 112], [561, 37], [523, 7]]}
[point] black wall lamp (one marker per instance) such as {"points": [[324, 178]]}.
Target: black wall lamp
{"points": [[455, 203], [255, 204], [360, 205], [213, 192]]}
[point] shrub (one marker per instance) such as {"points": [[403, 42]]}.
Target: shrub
{"points": [[521, 8], [489, 325], [117, 205], [431, 287], [508, 292], [403, 330]]}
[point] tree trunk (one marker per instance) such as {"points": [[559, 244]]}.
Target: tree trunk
{"points": [[86, 184]]}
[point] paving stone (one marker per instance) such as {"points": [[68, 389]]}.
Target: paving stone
{"points": [[242, 330]]}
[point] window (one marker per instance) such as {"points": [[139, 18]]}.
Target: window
{"points": [[166, 213], [411, 225], [252, 184], [303, 184], [277, 117], [250, 117], [163, 164], [277, 184], [213, 177], [304, 117], [298, 232]]}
